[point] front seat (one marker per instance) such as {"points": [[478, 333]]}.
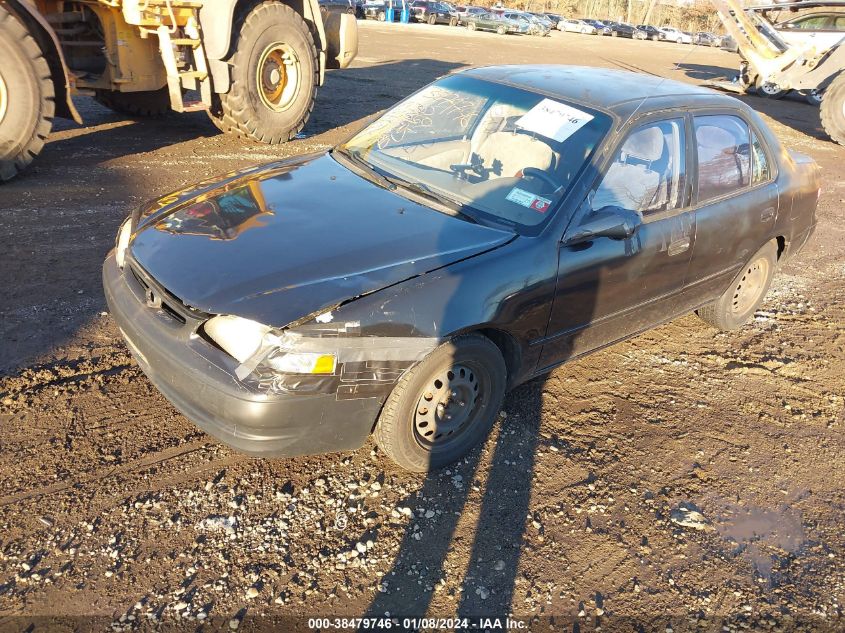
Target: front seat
{"points": [[508, 153], [631, 182]]}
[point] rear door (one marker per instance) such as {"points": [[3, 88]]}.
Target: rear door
{"points": [[736, 199], [608, 289]]}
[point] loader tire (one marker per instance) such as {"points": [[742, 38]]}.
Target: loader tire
{"points": [[144, 103], [274, 76], [27, 97], [833, 110]]}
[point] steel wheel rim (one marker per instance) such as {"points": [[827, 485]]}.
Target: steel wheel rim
{"points": [[278, 76], [750, 287], [4, 98], [447, 406], [770, 88]]}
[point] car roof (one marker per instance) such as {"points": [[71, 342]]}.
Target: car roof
{"points": [[617, 91]]}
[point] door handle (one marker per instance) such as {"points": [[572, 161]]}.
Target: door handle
{"points": [[767, 214], [678, 246]]}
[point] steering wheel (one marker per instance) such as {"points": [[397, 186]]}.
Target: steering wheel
{"points": [[539, 173]]}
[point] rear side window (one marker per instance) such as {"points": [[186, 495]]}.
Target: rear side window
{"points": [[724, 160], [760, 170], [839, 23]]}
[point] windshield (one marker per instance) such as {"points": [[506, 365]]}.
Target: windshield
{"points": [[500, 154]]}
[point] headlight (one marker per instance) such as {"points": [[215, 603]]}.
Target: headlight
{"points": [[262, 350], [240, 338], [122, 243]]}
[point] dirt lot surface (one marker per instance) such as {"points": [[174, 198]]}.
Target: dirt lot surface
{"points": [[685, 476]]}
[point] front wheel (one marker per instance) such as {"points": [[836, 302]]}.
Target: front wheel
{"points": [[27, 100], [274, 76], [382, 16], [471, 26], [745, 293], [444, 406], [453, 21], [833, 109], [432, 19], [501, 30]]}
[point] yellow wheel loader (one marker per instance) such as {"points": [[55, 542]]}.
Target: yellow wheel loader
{"points": [[254, 65], [773, 66]]}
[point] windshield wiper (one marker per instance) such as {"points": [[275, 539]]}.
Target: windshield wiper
{"points": [[374, 174], [455, 209]]}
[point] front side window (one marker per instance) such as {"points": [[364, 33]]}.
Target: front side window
{"points": [[724, 159], [503, 154], [648, 172]]}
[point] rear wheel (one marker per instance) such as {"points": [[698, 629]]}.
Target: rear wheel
{"points": [[27, 97], [444, 406], [471, 26], [453, 21], [833, 109], [745, 293], [144, 103], [382, 16], [501, 30], [274, 76], [432, 19]]}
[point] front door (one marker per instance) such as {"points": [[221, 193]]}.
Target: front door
{"points": [[608, 288]]}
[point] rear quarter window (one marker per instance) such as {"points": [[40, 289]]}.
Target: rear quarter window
{"points": [[724, 155]]}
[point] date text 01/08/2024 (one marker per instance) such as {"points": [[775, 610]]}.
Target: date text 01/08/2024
{"points": [[419, 624]]}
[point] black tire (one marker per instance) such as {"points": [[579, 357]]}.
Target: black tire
{"points": [[453, 21], [145, 103], [478, 369], [733, 309], [655, 38], [833, 109], [246, 109], [382, 16], [27, 97], [501, 30], [614, 34], [471, 26], [432, 19]]}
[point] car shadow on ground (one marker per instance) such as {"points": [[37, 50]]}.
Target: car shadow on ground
{"points": [[792, 111], [496, 495]]}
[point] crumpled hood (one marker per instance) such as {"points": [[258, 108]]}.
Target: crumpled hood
{"points": [[294, 238]]}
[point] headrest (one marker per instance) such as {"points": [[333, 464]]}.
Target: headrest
{"points": [[715, 138], [645, 144]]}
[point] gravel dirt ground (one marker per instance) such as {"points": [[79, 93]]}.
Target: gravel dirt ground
{"points": [[683, 478]]}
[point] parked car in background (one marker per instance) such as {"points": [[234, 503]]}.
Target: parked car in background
{"points": [[703, 38], [729, 44], [466, 10], [540, 25], [620, 29], [554, 18], [497, 23], [576, 26], [290, 309], [822, 29], [671, 34], [433, 12], [647, 31], [377, 10]]}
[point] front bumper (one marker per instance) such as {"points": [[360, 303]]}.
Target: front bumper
{"points": [[173, 357]]}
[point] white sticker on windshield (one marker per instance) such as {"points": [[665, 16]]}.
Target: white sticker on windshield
{"points": [[554, 120], [529, 200]]}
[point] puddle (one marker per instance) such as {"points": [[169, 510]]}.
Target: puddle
{"points": [[762, 535]]}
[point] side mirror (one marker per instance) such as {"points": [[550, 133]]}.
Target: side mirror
{"points": [[613, 222]]}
